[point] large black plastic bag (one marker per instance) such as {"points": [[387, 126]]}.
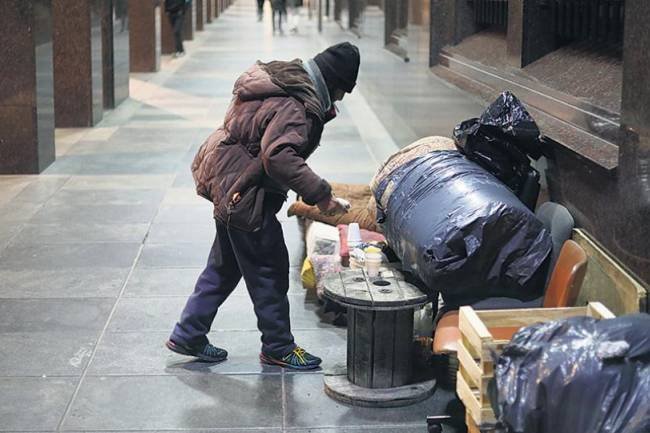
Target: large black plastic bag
{"points": [[461, 231], [501, 141], [578, 375]]}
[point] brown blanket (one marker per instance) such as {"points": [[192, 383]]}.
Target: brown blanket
{"points": [[363, 210]]}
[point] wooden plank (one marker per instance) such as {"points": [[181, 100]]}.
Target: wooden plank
{"points": [[472, 329], [403, 343], [382, 366], [471, 425], [470, 400], [351, 339], [468, 315], [607, 281], [467, 362], [526, 317], [599, 311], [363, 348]]}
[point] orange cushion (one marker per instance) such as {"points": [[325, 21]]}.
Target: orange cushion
{"points": [[447, 333]]}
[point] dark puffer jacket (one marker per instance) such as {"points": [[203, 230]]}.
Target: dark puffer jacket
{"points": [[266, 137]]}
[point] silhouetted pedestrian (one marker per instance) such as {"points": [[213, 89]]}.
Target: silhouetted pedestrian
{"points": [[175, 10], [260, 10], [279, 9]]}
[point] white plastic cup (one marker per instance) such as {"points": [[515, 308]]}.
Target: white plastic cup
{"points": [[373, 263], [354, 234]]}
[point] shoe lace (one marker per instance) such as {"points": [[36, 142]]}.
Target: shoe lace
{"points": [[300, 354], [211, 350]]}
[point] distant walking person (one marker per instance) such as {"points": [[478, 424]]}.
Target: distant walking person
{"points": [[260, 10], [294, 14], [279, 8], [176, 12]]}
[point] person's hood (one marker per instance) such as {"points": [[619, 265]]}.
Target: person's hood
{"points": [[256, 83], [264, 80]]}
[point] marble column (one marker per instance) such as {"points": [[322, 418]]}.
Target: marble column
{"points": [[78, 62], [451, 22], [167, 45], [115, 31], [209, 10], [632, 230], [144, 35], [26, 87], [200, 14], [530, 34], [190, 22], [615, 208]]}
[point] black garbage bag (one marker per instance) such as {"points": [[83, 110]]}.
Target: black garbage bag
{"points": [[501, 141], [461, 231], [578, 375]]}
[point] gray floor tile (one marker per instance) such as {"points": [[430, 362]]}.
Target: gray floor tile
{"points": [[160, 314], [119, 182], [308, 406], [17, 212], [67, 353], [41, 189], [200, 233], [56, 315], [62, 283], [146, 282], [90, 197], [33, 403], [148, 356], [95, 213], [175, 255], [57, 256], [177, 402], [8, 232], [117, 163], [185, 214], [81, 232], [374, 429]]}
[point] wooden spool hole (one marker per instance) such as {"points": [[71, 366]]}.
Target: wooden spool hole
{"points": [[382, 283]]}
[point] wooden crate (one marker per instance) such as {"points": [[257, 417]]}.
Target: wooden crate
{"points": [[478, 344], [609, 282]]}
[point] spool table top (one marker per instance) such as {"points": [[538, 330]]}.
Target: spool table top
{"points": [[388, 291]]}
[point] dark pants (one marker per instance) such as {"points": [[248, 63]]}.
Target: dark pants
{"points": [[260, 8], [280, 13], [177, 20], [262, 259]]}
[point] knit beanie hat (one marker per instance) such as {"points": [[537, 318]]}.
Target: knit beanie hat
{"points": [[339, 65]]}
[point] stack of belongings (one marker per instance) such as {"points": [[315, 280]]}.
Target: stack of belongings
{"points": [[501, 141], [327, 252], [576, 375], [461, 230]]}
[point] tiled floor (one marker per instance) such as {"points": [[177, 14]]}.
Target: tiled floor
{"points": [[98, 254]]}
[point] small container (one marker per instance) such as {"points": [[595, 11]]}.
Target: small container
{"points": [[354, 234], [373, 263], [357, 259]]}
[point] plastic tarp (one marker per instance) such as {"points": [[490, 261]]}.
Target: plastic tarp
{"points": [[577, 375], [462, 231]]}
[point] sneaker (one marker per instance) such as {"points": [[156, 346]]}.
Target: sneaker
{"points": [[208, 353], [297, 359]]}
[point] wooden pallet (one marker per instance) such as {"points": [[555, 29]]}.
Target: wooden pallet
{"points": [[485, 333]]}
